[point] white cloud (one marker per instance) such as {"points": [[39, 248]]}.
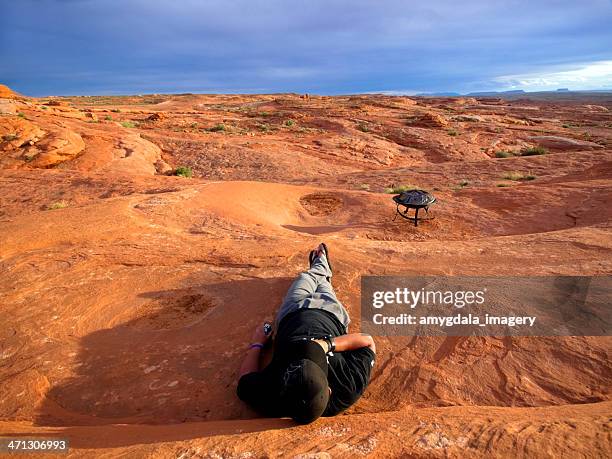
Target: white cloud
{"points": [[593, 75]]}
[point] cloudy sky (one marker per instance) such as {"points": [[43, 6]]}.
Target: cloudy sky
{"points": [[316, 46]]}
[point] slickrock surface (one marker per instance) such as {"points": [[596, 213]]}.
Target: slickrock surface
{"points": [[128, 295]]}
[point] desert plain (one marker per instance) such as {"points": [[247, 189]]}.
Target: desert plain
{"points": [[128, 294]]}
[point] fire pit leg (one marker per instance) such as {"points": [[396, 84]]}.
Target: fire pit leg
{"points": [[416, 216]]}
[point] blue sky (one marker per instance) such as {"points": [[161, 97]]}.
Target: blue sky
{"points": [[52, 47]]}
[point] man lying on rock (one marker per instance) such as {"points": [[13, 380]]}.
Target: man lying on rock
{"points": [[317, 369]]}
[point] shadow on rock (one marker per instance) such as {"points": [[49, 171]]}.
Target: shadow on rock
{"points": [[175, 360]]}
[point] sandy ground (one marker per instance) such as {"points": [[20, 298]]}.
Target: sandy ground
{"points": [[128, 295]]}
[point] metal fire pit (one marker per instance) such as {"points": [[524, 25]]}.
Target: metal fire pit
{"points": [[413, 199]]}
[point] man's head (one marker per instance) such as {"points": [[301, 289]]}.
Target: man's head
{"points": [[305, 389]]}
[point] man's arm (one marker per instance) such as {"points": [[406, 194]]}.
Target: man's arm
{"points": [[352, 367], [354, 341], [350, 342], [250, 364]]}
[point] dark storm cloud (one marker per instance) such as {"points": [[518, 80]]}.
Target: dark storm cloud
{"points": [[113, 46]]}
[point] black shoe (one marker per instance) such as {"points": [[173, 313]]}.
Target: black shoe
{"points": [[327, 256], [311, 258], [313, 255]]}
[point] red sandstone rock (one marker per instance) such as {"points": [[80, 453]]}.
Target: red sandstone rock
{"points": [[127, 295]]}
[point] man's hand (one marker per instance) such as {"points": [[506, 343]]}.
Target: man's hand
{"points": [[323, 344], [259, 335]]}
